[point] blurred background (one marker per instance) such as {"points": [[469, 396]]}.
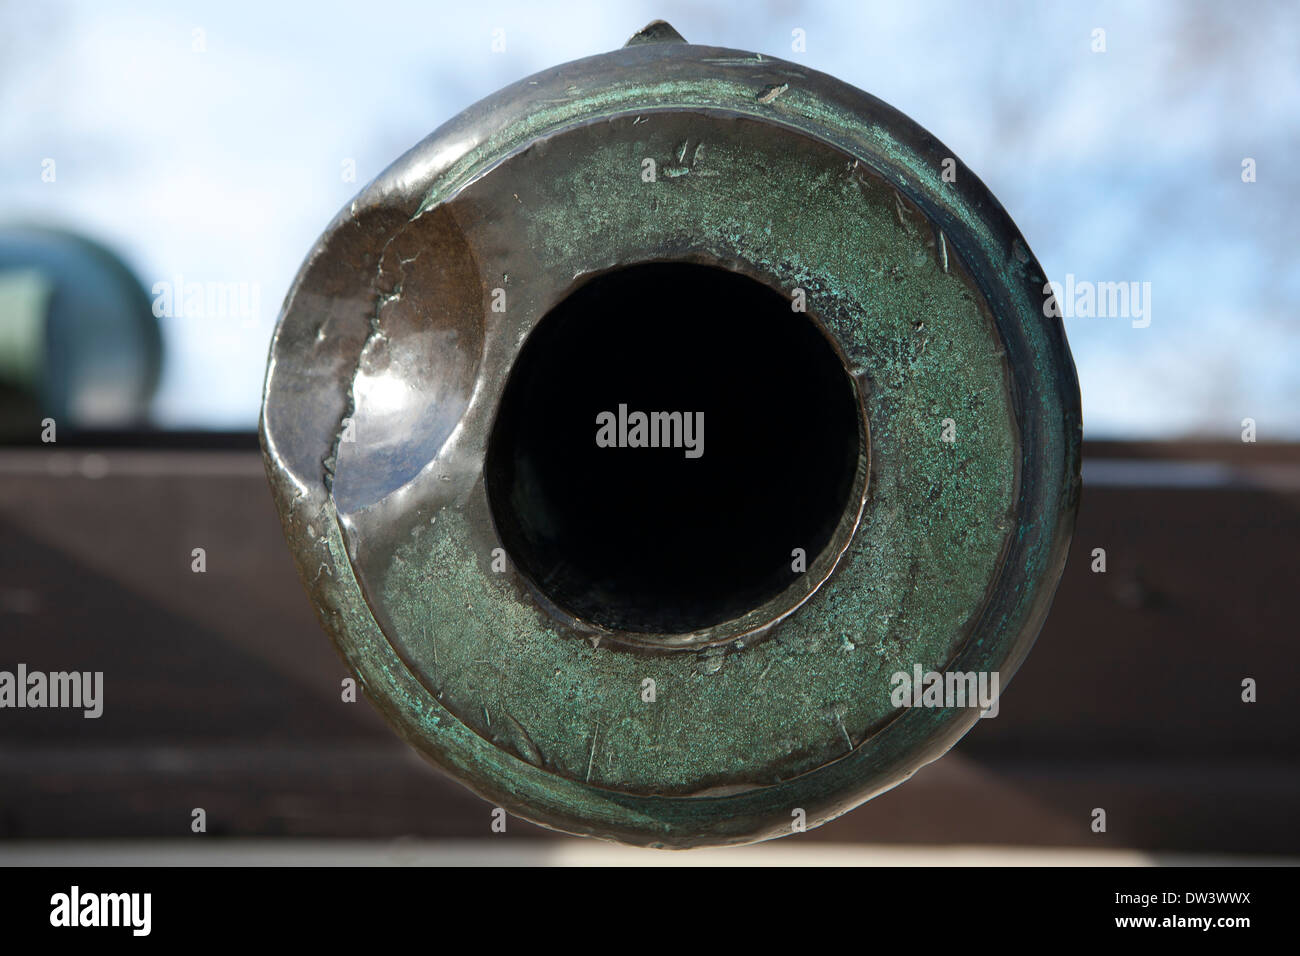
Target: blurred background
{"points": [[210, 143], [166, 166]]}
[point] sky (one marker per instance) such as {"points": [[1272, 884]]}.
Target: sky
{"points": [[210, 142]]}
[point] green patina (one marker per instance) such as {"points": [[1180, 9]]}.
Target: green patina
{"points": [[917, 569], [957, 552]]}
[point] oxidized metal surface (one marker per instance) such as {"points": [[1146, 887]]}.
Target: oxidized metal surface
{"points": [[392, 355]]}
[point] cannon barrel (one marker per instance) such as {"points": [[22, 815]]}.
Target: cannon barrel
{"points": [[667, 438]]}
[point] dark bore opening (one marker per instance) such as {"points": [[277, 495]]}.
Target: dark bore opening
{"points": [[661, 540]]}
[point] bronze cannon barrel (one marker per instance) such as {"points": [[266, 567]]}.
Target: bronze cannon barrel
{"points": [[666, 438]]}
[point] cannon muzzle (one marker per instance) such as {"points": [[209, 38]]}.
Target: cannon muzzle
{"points": [[678, 445]]}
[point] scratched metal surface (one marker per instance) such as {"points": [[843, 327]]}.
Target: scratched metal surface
{"points": [[925, 286]]}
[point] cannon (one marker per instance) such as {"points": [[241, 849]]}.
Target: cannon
{"points": [[80, 344], [667, 438]]}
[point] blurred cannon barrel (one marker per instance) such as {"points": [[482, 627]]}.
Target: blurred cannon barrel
{"points": [[676, 445], [80, 348]]}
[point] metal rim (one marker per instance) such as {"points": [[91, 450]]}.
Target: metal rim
{"points": [[1045, 397]]}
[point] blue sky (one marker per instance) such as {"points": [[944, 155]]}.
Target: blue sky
{"points": [[223, 164]]}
